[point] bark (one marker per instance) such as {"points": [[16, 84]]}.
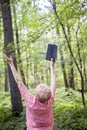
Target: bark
{"points": [[36, 72], [71, 70], [63, 69], [6, 80], [9, 48], [71, 76], [18, 47]]}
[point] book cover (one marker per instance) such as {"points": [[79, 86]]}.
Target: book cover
{"points": [[51, 52]]}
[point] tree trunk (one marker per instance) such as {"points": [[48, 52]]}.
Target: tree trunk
{"points": [[82, 91], [70, 49], [35, 72], [9, 48], [63, 69], [18, 47], [71, 70], [85, 76], [6, 80], [71, 75]]}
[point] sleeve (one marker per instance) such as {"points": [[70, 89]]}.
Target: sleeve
{"points": [[28, 97]]}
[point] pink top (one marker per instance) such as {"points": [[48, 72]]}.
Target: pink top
{"points": [[38, 116]]}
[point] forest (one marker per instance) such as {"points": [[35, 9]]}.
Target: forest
{"points": [[26, 29]]}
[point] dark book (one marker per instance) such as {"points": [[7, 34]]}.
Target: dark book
{"points": [[51, 52]]}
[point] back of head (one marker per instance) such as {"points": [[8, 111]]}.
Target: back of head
{"points": [[43, 92]]}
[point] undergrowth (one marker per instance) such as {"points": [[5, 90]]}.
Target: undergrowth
{"points": [[7, 120], [69, 113]]}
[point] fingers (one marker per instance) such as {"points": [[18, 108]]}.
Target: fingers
{"points": [[51, 59], [11, 56], [6, 57]]}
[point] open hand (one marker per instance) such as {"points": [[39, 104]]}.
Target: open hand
{"points": [[8, 59]]}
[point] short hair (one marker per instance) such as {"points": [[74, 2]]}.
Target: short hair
{"points": [[43, 92]]}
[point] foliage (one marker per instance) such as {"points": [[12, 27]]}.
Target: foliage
{"points": [[68, 111], [7, 120], [35, 31], [69, 114]]}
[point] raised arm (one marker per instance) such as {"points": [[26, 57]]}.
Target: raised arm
{"points": [[13, 69], [53, 79], [23, 89]]}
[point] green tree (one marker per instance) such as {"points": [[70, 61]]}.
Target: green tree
{"points": [[10, 49], [68, 13]]}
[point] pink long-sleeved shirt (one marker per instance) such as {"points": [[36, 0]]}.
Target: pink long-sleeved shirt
{"points": [[38, 116]]}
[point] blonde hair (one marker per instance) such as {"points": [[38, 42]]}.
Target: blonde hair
{"points": [[43, 92]]}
